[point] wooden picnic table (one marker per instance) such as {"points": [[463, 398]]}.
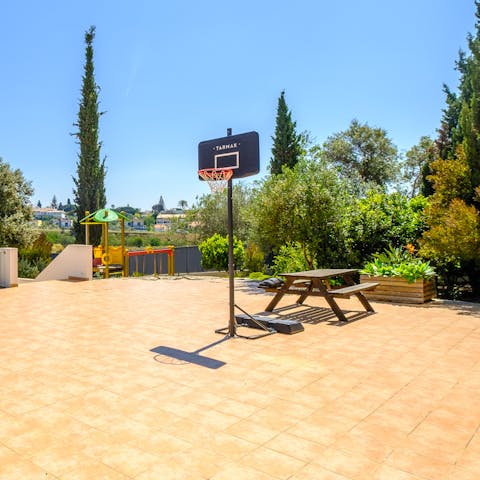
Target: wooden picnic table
{"points": [[317, 283]]}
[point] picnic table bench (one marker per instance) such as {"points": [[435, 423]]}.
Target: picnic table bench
{"points": [[318, 283]]}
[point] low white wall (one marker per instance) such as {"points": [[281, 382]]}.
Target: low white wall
{"points": [[75, 261]]}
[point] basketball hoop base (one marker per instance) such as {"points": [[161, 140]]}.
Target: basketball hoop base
{"points": [[267, 330]]}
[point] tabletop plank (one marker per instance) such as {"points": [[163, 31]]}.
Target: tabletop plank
{"points": [[320, 273]]}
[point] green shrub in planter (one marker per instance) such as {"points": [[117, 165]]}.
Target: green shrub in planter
{"points": [[397, 262]]}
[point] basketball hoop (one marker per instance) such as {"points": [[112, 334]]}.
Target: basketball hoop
{"points": [[217, 178]]}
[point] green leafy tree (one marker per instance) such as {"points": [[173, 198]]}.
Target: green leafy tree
{"points": [[287, 144], [89, 184], [149, 221], [417, 160], [302, 207], [291, 258], [39, 204], [365, 152], [128, 210], [15, 208], [210, 215], [214, 252], [453, 239], [54, 203]]}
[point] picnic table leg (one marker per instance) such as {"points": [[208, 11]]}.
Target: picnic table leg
{"points": [[336, 309], [330, 300], [279, 295], [361, 297], [304, 295], [363, 300]]}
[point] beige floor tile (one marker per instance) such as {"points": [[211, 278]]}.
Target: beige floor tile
{"points": [[240, 472], [59, 459], [96, 470], [276, 464], [316, 472], [251, 431], [458, 473], [368, 446], [416, 464], [386, 472], [20, 469], [317, 432], [346, 463], [201, 461], [166, 469], [297, 447]]}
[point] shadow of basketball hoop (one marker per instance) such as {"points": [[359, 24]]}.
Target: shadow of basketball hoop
{"points": [[175, 356]]}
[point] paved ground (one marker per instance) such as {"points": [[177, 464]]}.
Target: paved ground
{"points": [[94, 385]]}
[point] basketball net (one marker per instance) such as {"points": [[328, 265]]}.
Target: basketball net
{"points": [[217, 179]]}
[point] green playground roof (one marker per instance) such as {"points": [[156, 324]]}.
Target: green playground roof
{"points": [[104, 215]]}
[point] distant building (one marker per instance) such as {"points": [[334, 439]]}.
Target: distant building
{"points": [[47, 212], [164, 219], [137, 223], [65, 222]]}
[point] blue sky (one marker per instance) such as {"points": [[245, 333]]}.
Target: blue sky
{"points": [[175, 73]]}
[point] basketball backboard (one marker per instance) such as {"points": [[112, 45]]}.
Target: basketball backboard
{"points": [[237, 152]]}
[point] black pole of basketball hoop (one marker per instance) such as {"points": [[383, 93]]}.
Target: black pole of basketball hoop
{"points": [[231, 267]]}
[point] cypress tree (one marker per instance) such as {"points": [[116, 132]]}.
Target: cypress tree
{"points": [[286, 148], [89, 188], [460, 124]]}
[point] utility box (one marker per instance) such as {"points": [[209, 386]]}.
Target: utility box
{"points": [[8, 267]]}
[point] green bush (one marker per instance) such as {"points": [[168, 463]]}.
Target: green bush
{"points": [[398, 262], [58, 236], [41, 248], [26, 269], [154, 242], [32, 260], [380, 220], [214, 252], [134, 241]]}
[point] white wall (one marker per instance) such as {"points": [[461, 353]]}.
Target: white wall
{"points": [[75, 261], [8, 267]]}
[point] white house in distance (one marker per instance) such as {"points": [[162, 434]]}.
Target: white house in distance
{"points": [[57, 215], [164, 220], [137, 223]]}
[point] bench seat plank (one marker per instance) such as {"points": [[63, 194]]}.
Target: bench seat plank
{"points": [[346, 292]]}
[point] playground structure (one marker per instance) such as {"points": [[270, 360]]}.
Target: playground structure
{"points": [[115, 260]]}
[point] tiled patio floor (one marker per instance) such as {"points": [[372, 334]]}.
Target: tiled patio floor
{"points": [[392, 396]]}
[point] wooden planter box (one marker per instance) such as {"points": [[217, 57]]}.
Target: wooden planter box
{"points": [[396, 289]]}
